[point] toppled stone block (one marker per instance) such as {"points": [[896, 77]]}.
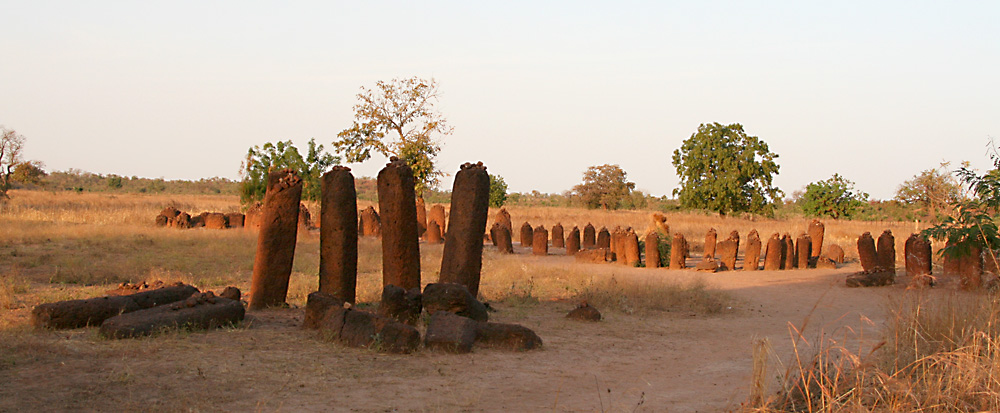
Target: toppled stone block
{"points": [[453, 298], [401, 305], [584, 312], [93, 311], [598, 255], [199, 311], [318, 306], [355, 328], [451, 333], [507, 336]]}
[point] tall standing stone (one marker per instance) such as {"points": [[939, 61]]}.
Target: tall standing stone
{"points": [[789, 252], [462, 260], [773, 256], [917, 251], [615, 242], [272, 266], [540, 245], [630, 248], [728, 250], [678, 252], [802, 247], [400, 243], [751, 258], [816, 232], [433, 233], [527, 235], [652, 242], [369, 223], [971, 268], [338, 234], [589, 237], [573, 241], [502, 217], [421, 216], [437, 214], [558, 240], [604, 238], [886, 252], [501, 235], [710, 240], [867, 253]]}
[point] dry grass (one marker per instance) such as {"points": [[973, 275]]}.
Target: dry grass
{"points": [[936, 354]]}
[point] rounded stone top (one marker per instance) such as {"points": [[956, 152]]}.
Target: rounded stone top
{"points": [[470, 165], [340, 168]]}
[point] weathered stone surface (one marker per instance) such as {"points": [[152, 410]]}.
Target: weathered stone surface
{"points": [[433, 233], [318, 304], [272, 265], [727, 251], [93, 311], [181, 221], [454, 298], [540, 243], [199, 311], [235, 220], [835, 253], [252, 218], [917, 251], [875, 278], [584, 312], [304, 223], [231, 293], [751, 258], [790, 257], [421, 216], [867, 253], [816, 231], [166, 216], [970, 268], [886, 252], [439, 215], [198, 221], [398, 210], [507, 336], [616, 243], [127, 288], [216, 220], [527, 235], [589, 237], [710, 240], [630, 248], [773, 257], [652, 244], [503, 218], [502, 238], [802, 247], [355, 328], [678, 252], [596, 255], [462, 259], [338, 234], [603, 239], [369, 223], [707, 265], [825, 262], [450, 333], [558, 237], [573, 241], [401, 305]]}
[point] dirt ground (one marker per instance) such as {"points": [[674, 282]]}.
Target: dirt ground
{"points": [[665, 361]]}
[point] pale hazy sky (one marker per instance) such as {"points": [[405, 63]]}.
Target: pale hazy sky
{"points": [[538, 91]]}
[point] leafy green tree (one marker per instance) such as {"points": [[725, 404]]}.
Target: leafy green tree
{"points": [[932, 190], [29, 172], [723, 169], [398, 118], [280, 155], [114, 181], [498, 191], [835, 198], [605, 186]]}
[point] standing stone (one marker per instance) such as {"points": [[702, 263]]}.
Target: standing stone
{"points": [[866, 252], [526, 235], [604, 239], [400, 244], [751, 258], [728, 250], [338, 234], [433, 234], [369, 223], [816, 232], [710, 239], [272, 264], [437, 214], [215, 220], [835, 253], [540, 245], [886, 252], [678, 252], [773, 255], [789, 252], [971, 268], [557, 237], [573, 241], [251, 220], [802, 247], [503, 218], [235, 220], [182, 221], [462, 261], [917, 251], [630, 248], [615, 241], [652, 250], [305, 219], [421, 216], [589, 237], [502, 238]]}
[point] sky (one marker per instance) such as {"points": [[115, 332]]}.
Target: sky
{"points": [[537, 91]]}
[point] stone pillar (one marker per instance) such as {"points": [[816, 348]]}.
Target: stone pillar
{"points": [[421, 216], [540, 245], [917, 251], [369, 223], [589, 237], [652, 250], [398, 208], [503, 218], [338, 234], [433, 233], [272, 264], [710, 239], [502, 238], [527, 236], [462, 260], [866, 252], [728, 252], [803, 245], [678, 252], [604, 239], [558, 240], [614, 243], [751, 258], [573, 241], [630, 248], [438, 215], [816, 232], [886, 252], [789, 252], [971, 269], [773, 258]]}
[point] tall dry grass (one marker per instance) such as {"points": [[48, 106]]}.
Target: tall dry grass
{"points": [[939, 353]]}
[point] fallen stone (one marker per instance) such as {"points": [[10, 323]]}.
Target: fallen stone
{"points": [[450, 332], [453, 298], [584, 312], [200, 311]]}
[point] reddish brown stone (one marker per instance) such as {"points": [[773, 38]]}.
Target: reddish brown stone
{"points": [[198, 221], [338, 235], [401, 305], [450, 333], [453, 298], [507, 336], [751, 257], [728, 251], [526, 235], [584, 312], [603, 239], [917, 251], [596, 255], [252, 218], [235, 220], [540, 243], [231, 293], [573, 241], [816, 232], [272, 265], [630, 248], [652, 244], [711, 237], [93, 311], [502, 238], [874, 278], [970, 268], [400, 243], [835, 253], [503, 218], [369, 223], [438, 214], [421, 216], [181, 221], [615, 243], [867, 253], [318, 305], [462, 259], [215, 220], [802, 247], [558, 238], [773, 256], [886, 252], [789, 255], [304, 223], [678, 252], [362, 329], [589, 237], [200, 311], [433, 233]]}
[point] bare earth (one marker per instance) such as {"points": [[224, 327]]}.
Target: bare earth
{"points": [[660, 362]]}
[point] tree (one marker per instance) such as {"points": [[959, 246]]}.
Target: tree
{"points": [[835, 198], [723, 169], [29, 172], [11, 144], [398, 118], [498, 191], [604, 186], [260, 160], [933, 191]]}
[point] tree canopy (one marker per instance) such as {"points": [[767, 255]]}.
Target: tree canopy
{"points": [[283, 154], [398, 118], [932, 190], [11, 144], [723, 169], [605, 186], [498, 191], [834, 198]]}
